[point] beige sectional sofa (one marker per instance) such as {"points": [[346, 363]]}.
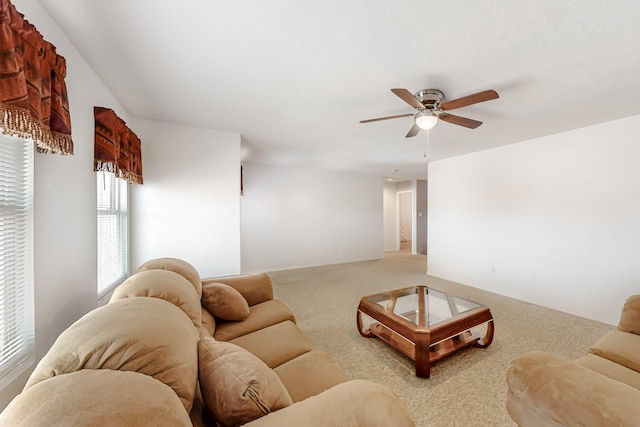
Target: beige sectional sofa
{"points": [[599, 389], [171, 349]]}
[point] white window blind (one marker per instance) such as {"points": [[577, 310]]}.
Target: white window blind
{"points": [[113, 231], [16, 256]]}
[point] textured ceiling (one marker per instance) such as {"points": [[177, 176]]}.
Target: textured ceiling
{"points": [[295, 77]]}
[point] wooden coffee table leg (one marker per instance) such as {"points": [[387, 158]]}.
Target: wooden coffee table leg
{"points": [[367, 333], [422, 356], [485, 341]]}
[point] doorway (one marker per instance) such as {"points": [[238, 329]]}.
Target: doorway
{"points": [[405, 222]]}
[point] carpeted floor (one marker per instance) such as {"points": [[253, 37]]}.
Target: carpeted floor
{"points": [[465, 389]]}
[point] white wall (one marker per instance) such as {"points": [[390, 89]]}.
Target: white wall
{"points": [[65, 204], [554, 221], [189, 204], [421, 216], [389, 214], [295, 217]]}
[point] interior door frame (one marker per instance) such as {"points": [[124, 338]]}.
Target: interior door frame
{"points": [[413, 219]]}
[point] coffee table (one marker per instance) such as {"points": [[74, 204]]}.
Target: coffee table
{"points": [[424, 323]]}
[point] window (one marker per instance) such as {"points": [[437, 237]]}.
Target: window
{"points": [[16, 257], [113, 231]]}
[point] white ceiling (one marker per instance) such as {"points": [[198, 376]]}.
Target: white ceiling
{"points": [[295, 77]]}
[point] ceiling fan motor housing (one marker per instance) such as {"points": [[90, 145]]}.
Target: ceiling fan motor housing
{"points": [[430, 98]]}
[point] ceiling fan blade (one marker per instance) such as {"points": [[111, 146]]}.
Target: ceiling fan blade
{"points": [[386, 118], [486, 95], [462, 121], [408, 97], [413, 131]]}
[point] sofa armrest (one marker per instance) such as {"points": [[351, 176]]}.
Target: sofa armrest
{"points": [[255, 288], [547, 390], [630, 316], [351, 404]]}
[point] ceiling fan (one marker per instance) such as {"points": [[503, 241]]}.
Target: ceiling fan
{"points": [[430, 106]]}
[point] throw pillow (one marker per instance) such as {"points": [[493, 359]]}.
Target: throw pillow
{"points": [[224, 302], [630, 317], [237, 386]]}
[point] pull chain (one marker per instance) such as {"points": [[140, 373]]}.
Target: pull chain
{"points": [[426, 146]]}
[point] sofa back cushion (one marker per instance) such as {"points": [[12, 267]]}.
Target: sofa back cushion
{"points": [[163, 284], [139, 334], [96, 398], [630, 317], [255, 288], [619, 347], [262, 315], [208, 323], [177, 266]]}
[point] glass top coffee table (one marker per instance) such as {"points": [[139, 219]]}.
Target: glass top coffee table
{"points": [[424, 323]]}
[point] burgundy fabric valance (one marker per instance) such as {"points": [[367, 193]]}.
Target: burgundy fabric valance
{"points": [[33, 94], [117, 148]]}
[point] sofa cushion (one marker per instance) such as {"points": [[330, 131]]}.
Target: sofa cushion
{"points": [[146, 335], [310, 374], [237, 386], [630, 317], [357, 403], [260, 316], [166, 285], [611, 369], [619, 347], [275, 344], [178, 266], [545, 389], [208, 322], [224, 302], [96, 398]]}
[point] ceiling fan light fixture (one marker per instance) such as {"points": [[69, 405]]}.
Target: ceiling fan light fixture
{"points": [[430, 108], [426, 120]]}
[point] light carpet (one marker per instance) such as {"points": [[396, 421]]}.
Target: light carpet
{"points": [[467, 388]]}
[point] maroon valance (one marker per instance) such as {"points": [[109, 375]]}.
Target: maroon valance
{"points": [[117, 148], [33, 94]]}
